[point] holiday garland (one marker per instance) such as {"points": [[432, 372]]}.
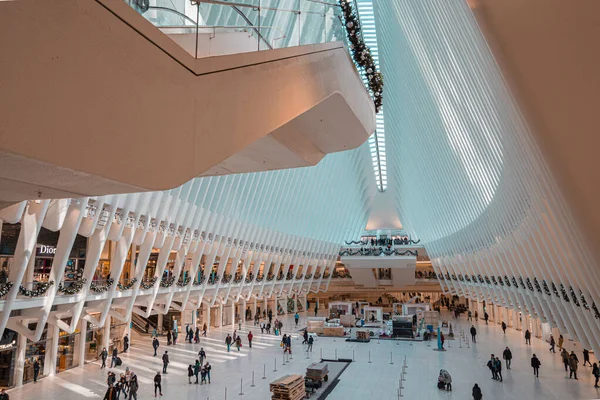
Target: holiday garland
{"points": [[5, 288], [72, 289], [128, 285], [184, 282], [102, 288], [167, 282], [145, 285], [199, 282], [40, 290], [362, 54]]}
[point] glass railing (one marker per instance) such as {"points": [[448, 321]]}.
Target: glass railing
{"points": [[207, 28]]}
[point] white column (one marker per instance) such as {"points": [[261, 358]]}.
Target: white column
{"points": [[207, 315], [106, 334], [160, 322], [220, 317], [194, 319], [30, 269], [275, 305], [233, 306], [254, 305], [79, 351], [20, 360], [51, 350], [266, 309], [295, 304], [243, 312]]}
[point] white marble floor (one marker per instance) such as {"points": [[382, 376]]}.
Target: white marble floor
{"points": [[361, 380]]}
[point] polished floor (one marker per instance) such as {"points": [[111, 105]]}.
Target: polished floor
{"points": [[232, 372]]}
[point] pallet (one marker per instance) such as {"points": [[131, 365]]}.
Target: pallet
{"points": [[289, 387]]}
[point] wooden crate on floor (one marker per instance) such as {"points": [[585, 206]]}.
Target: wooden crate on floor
{"points": [[289, 387], [333, 331]]}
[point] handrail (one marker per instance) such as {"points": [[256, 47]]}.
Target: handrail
{"points": [[254, 6], [226, 27]]}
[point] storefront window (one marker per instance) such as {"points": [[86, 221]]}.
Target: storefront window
{"points": [[34, 351], [66, 350], [8, 347]]}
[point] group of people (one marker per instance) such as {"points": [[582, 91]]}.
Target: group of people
{"points": [[200, 368], [127, 384]]}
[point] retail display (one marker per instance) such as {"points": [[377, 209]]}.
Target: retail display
{"points": [[363, 335], [289, 387]]}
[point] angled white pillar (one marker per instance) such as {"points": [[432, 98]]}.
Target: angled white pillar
{"points": [[20, 360], [51, 350], [79, 351]]}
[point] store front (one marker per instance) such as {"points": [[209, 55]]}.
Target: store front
{"points": [[34, 351], [8, 349]]}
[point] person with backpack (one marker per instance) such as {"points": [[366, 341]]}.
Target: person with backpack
{"points": [[446, 378], [165, 360], [535, 364], [155, 344], [477, 395], [473, 333], [491, 365], [596, 374], [157, 381], [250, 336], [573, 364], [113, 360], [103, 356], [228, 342], [528, 337], [310, 343], [133, 386], [507, 355], [498, 368]]}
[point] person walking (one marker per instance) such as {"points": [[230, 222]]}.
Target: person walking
{"points": [[165, 360], [36, 368], [573, 364], [535, 364], [155, 344], [113, 359], [473, 334], [296, 319], [477, 395], [168, 338], [207, 367], [270, 314], [234, 337], [486, 317], [316, 309], [470, 318], [596, 374], [498, 368], [507, 355], [310, 343], [175, 334], [504, 327], [491, 364], [228, 342], [201, 355], [157, 380], [103, 356], [197, 335], [190, 373], [111, 393], [238, 343], [527, 337], [268, 328], [204, 327], [586, 357], [250, 336], [565, 359], [133, 387], [561, 340], [305, 336], [125, 343], [552, 344], [262, 328]]}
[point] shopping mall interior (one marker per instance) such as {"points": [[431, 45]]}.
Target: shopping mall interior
{"points": [[285, 199]]}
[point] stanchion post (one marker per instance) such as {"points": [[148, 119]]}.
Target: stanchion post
{"points": [[264, 371], [352, 354], [275, 364], [225, 393], [335, 354], [252, 385], [321, 349], [391, 358], [369, 356], [241, 386]]}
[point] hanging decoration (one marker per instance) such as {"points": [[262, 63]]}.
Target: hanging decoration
{"points": [[40, 290], [73, 288], [199, 282], [5, 288], [184, 282], [167, 282], [128, 285], [362, 54], [94, 287], [145, 285]]}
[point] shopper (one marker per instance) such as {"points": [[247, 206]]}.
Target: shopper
{"points": [[204, 327], [270, 315], [234, 337], [3, 395], [316, 309], [165, 360], [565, 359], [133, 386], [477, 395], [561, 340], [310, 343], [203, 375], [157, 380], [268, 328], [552, 344], [442, 339], [197, 368], [207, 367], [113, 359], [573, 364], [446, 378], [250, 336], [491, 364], [111, 393], [470, 318], [36, 368], [535, 364], [190, 373], [527, 337], [103, 356], [111, 379], [596, 374], [486, 317], [498, 368], [228, 342], [473, 334], [168, 338], [155, 344], [586, 357], [122, 386], [305, 336], [238, 343], [202, 355], [296, 319], [125, 343], [507, 355], [197, 335], [175, 335], [504, 327]]}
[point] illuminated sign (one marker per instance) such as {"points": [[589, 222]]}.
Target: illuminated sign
{"points": [[46, 250]]}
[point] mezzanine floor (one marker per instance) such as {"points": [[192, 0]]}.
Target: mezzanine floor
{"points": [[361, 380]]}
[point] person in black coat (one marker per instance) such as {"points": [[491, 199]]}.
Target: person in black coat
{"points": [[155, 344], [111, 393], [157, 380], [507, 355], [504, 327], [103, 356], [3, 395], [36, 369], [125, 343], [473, 333], [477, 395], [535, 364], [527, 337], [168, 338], [165, 360], [113, 360]]}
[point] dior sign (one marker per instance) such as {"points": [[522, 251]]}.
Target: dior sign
{"points": [[46, 250]]}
